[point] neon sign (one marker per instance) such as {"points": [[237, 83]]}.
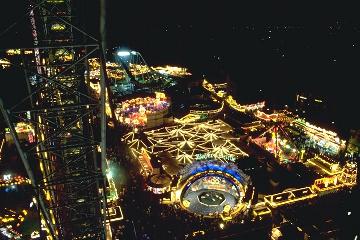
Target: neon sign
{"points": [[204, 156]]}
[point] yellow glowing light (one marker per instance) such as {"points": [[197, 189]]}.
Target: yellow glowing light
{"points": [[13, 52], [58, 27], [52, 216], [4, 63], [262, 212], [208, 112], [6, 220], [289, 197], [1, 146], [64, 55], [325, 166], [47, 195], [185, 141], [173, 71], [41, 167], [326, 184], [186, 203]]}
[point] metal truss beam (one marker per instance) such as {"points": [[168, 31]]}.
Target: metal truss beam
{"points": [[70, 125], [25, 161]]}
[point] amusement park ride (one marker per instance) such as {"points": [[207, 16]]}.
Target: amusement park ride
{"points": [[291, 139], [140, 73]]}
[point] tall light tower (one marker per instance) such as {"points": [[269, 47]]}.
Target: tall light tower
{"points": [[70, 124]]}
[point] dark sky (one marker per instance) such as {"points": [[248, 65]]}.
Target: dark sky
{"points": [[282, 47]]}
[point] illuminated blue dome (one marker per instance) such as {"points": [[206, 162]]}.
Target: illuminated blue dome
{"points": [[207, 187], [214, 165]]}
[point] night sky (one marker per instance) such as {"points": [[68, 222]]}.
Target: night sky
{"points": [[278, 47]]}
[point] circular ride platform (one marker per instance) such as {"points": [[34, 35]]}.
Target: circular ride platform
{"points": [[211, 198], [211, 188]]}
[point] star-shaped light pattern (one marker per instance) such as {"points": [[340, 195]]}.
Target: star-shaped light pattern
{"points": [[184, 142], [184, 158], [210, 136], [221, 150]]}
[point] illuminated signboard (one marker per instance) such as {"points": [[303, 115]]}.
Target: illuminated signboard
{"points": [[204, 156]]}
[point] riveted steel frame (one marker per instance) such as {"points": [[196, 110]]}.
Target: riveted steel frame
{"points": [[70, 125]]}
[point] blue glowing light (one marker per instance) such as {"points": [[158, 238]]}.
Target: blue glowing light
{"points": [[123, 53], [215, 167]]}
